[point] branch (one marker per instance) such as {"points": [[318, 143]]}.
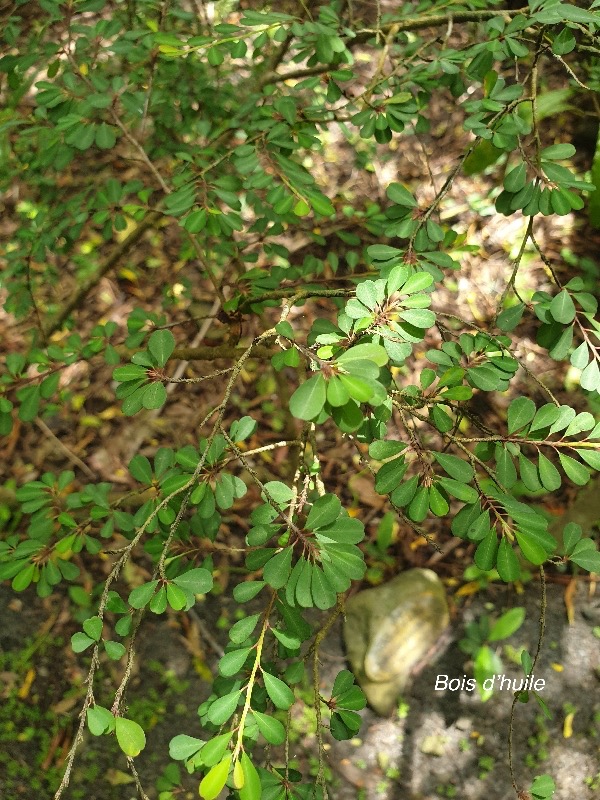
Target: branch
{"points": [[206, 353], [399, 26], [436, 20], [294, 293]]}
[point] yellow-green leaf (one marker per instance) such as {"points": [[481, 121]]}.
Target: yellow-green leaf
{"points": [[130, 736], [215, 779]]}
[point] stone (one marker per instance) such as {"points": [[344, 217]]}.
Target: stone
{"points": [[390, 630]]}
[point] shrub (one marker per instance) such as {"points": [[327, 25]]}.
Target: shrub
{"points": [[216, 138]]}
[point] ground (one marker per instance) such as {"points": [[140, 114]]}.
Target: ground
{"points": [[438, 745]]}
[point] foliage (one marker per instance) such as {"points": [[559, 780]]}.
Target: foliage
{"points": [[224, 120]]}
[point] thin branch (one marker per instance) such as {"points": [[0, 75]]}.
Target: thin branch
{"points": [[75, 460]]}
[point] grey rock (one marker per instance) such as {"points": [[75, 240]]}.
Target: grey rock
{"points": [[389, 632]]}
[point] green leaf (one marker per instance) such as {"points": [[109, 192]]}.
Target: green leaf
{"points": [[370, 294], [574, 470], [456, 467], [176, 597], [325, 510], [140, 469], [591, 457], [437, 502], [363, 352], [99, 720], [242, 629], [141, 595], [245, 591], [242, 428], [542, 787], [400, 195], [337, 394], [279, 492], [252, 789], [381, 449], [419, 317], [562, 307], [419, 505], [223, 707], [508, 623], [531, 548], [93, 628], [507, 562], [505, 467], [529, 474], [309, 398], [356, 388], [182, 747], [485, 378], [345, 530], [520, 412], [557, 152], [572, 533], [287, 639], [549, 475], [303, 593], [224, 491], [343, 682], [105, 136], [214, 750], [586, 556], [459, 490], [154, 396], [196, 581], [545, 416], [526, 662], [195, 221], [442, 421], [417, 282], [485, 555], [133, 402], [232, 662], [213, 782], [130, 372], [590, 377], [130, 736], [161, 345], [158, 603], [480, 527], [516, 179], [81, 642], [114, 650], [323, 594], [510, 317], [582, 422], [29, 399], [272, 730], [321, 204], [279, 692], [301, 209], [81, 136], [277, 569], [565, 417]]}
